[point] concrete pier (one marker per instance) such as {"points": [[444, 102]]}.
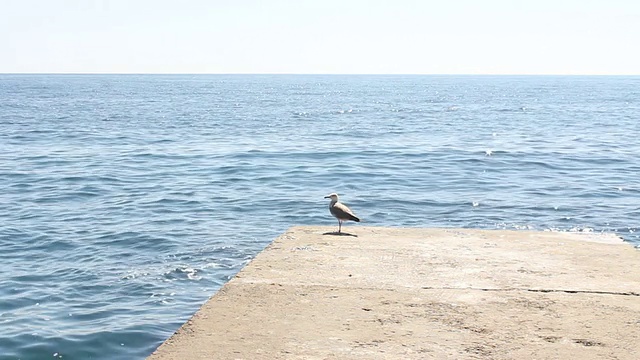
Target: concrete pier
{"points": [[391, 293]]}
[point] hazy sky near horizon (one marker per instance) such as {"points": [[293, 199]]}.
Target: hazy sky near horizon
{"points": [[321, 36]]}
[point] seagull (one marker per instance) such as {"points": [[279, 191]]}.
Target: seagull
{"points": [[340, 211]]}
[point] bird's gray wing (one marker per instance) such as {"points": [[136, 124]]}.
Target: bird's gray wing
{"points": [[342, 212]]}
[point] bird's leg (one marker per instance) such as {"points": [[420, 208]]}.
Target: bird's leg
{"points": [[339, 226]]}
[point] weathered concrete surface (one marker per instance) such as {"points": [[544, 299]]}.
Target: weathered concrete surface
{"points": [[423, 294]]}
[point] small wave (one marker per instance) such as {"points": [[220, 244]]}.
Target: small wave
{"points": [[182, 273]]}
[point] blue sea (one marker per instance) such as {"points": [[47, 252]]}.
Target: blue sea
{"points": [[126, 201]]}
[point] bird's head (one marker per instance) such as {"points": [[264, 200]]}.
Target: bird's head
{"points": [[332, 196]]}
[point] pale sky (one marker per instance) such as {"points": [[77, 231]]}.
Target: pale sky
{"points": [[321, 36]]}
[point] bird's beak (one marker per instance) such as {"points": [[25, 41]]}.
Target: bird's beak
{"points": [[326, 197]]}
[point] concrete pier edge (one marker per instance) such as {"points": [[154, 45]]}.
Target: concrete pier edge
{"points": [[420, 293]]}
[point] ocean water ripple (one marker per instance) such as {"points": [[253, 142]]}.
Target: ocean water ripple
{"points": [[128, 200]]}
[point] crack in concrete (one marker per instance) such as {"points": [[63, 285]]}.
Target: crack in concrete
{"points": [[597, 292], [239, 279]]}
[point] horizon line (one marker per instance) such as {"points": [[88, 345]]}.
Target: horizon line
{"points": [[309, 74]]}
